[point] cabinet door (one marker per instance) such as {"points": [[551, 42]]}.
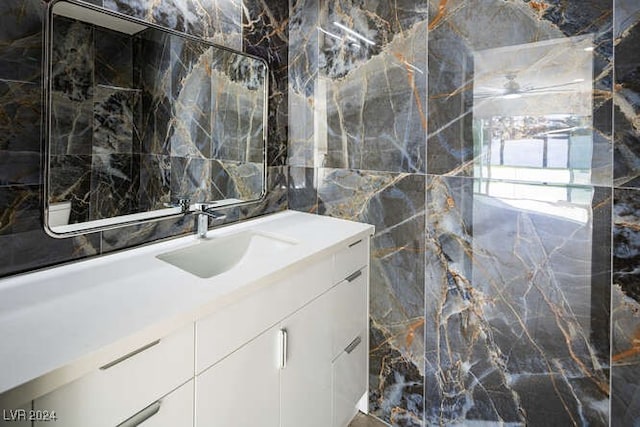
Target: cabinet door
{"points": [[241, 390], [306, 377]]}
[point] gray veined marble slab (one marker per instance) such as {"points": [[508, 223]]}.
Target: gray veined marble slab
{"points": [[627, 99], [395, 204], [21, 40], [514, 309], [625, 353]]}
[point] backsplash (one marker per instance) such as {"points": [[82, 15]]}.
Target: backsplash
{"points": [[97, 108]]}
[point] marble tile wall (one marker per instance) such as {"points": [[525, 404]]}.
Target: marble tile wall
{"points": [[357, 151], [491, 286], [625, 316], [25, 244]]}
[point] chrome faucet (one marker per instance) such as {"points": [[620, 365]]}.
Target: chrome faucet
{"points": [[204, 213]]}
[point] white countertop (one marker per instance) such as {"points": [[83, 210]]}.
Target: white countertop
{"points": [[56, 325]]}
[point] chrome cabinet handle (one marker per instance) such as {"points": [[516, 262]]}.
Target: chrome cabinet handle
{"points": [[355, 243], [354, 276], [127, 356], [141, 416], [355, 343], [282, 345]]}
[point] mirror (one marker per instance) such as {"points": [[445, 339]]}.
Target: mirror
{"points": [[138, 118]]}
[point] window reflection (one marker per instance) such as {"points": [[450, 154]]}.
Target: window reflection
{"points": [[532, 123]]}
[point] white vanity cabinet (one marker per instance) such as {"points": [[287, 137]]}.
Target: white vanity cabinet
{"points": [[131, 385], [279, 340], [308, 368]]}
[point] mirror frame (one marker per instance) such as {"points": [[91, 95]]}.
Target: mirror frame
{"points": [[176, 211]]}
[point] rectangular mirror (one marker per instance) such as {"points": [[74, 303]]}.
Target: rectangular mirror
{"points": [[139, 117]]}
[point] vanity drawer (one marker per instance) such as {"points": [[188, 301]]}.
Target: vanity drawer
{"points": [[226, 330], [350, 259], [349, 380], [174, 409], [119, 389], [349, 310]]}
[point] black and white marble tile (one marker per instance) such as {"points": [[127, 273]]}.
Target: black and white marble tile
{"points": [[627, 96], [302, 76], [395, 204], [32, 250], [19, 168], [113, 58], [155, 181], [21, 209], [20, 109], [509, 303], [191, 64], [275, 200], [73, 59], [266, 35], [21, 40], [152, 75], [219, 20], [362, 101], [71, 131], [70, 180], [303, 190], [625, 320], [135, 235], [72, 85], [235, 180], [190, 179], [237, 108], [25, 245], [114, 121], [115, 181]]}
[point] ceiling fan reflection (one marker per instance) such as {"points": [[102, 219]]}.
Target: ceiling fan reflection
{"points": [[511, 89]]}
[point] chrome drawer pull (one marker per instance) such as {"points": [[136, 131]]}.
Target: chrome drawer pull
{"points": [[353, 345], [141, 416], [126, 356], [355, 243], [354, 276]]}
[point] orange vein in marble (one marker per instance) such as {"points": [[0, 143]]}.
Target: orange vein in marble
{"points": [[525, 331], [633, 351], [416, 93], [412, 331], [442, 7], [8, 216], [632, 225], [538, 6]]}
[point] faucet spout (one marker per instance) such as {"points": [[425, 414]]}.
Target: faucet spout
{"points": [[204, 213]]}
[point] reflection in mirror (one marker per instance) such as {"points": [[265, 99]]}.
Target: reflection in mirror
{"points": [[140, 117], [532, 113]]}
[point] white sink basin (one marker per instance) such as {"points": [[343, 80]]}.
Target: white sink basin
{"points": [[209, 258]]}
